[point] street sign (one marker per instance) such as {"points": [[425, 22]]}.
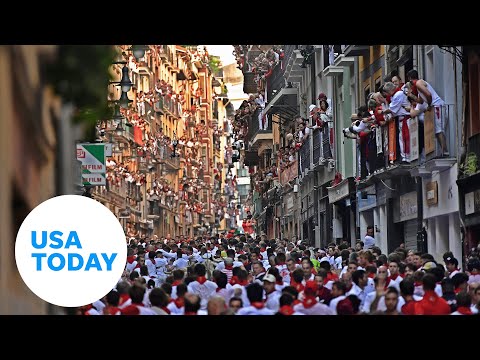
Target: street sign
{"points": [[92, 157]]}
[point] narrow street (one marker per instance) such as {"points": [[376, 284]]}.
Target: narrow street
{"points": [[255, 179]]}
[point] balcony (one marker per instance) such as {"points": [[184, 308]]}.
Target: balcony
{"points": [[162, 51], [144, 69], [164, 156], [355, 50], [255, 135], [436, 160], [304, 163], [170, 106], [158, 105], [289, 174]]}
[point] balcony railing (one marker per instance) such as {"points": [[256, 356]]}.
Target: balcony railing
{"points": [[432, 145], [254, 126], [165, 155], [276, 81], [317, 146], [172, 106], [289, 173], [304, 156]]}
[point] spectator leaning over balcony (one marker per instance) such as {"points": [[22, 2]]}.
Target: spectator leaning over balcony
{"points": [[433, 101], [398, 108]]}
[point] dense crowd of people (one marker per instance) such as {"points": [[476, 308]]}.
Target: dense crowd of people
{"points": [[232, 274]]}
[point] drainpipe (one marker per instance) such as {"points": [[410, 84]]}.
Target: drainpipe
{"points": [[421, 241], [414, 58]]}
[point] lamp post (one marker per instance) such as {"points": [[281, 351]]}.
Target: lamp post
{"points": [[124, 101], [138, 51]]}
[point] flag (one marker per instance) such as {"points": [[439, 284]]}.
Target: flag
{"points": [[137, 135]]}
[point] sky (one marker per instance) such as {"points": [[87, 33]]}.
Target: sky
{"points": [[224, 51]]}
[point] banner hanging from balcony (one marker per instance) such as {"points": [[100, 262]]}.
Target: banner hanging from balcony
{"points": [[92, 157], [137, 135]]}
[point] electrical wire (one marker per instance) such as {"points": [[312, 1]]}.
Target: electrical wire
{"points": [[388, 187]]}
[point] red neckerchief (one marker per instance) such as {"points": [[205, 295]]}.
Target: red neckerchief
{"points": [[258, 304], [279, 282], [138, 266], [234, 280], [378, 115], [167, 310], [296, 302], [309, 301], [218, 289], [153, 261], [179, 302], [190, 313], [458, 290], [417, 283], [123, 298], [131, 259], [130, 310], [201, 279], [371, 275], [399, 88], [112, 310], [176, 282], [394, 277], [286, 310], [263, 249], [414, 89], [464, 310], [331, 276], [228, 267]]}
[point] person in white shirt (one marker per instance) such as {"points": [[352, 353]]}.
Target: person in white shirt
{"points": [[360, 280], [310, 304], [257, 305], [433, 101], [398, 107], [338, 293], [201, 286], [272, 295], [369, 240], [451, 265], [136, 307]]}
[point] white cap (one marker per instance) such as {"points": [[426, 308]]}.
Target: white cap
{"points": [[311, 107], [269, 278]]}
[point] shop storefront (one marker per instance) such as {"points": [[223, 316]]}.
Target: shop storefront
{"points": [[469, 195], [405, 214], [440, 211], [343, 222]]}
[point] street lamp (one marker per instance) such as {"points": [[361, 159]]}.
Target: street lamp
{"points": [[138, 51], [125, 83], [124, 101], [119, 130]]}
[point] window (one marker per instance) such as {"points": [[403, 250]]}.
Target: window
{"points": [[366, 91], [378, 83]]}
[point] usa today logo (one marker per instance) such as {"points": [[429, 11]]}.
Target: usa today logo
{"points": [[70, 250]]}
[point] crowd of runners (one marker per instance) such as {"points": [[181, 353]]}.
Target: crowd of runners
{"points": [[239, 275]]}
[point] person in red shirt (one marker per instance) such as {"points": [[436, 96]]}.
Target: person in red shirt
{"points": [[431, 304]]}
